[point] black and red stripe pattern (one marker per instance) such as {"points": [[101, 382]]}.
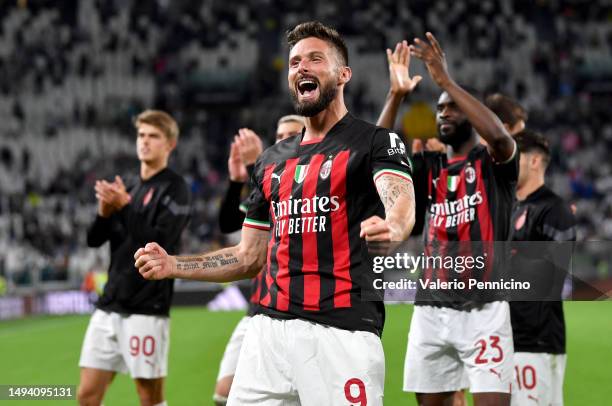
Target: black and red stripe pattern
{"points": [[314, 196], [468, 208]]}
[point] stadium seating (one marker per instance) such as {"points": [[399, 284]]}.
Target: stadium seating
{"points": [[73, 73]]}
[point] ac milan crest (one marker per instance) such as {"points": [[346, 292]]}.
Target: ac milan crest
{"points": [[325, 169], [470, 174], [147, 198], [520, 221]]}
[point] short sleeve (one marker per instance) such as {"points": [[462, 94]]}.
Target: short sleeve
{"points": [[421, 179], [559, 223], [389, 157], [508, 170], [258, 206]]}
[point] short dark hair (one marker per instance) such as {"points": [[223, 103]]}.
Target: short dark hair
{"points": [[475, 93], [318, 30], [533, 141], [506, 108]]}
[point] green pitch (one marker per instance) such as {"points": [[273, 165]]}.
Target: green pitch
{"points": [[46, 351]]}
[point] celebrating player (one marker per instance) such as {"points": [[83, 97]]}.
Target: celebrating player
{"points": [[473, 336], [244, 151], [129, 331], [538, 327], [470, 339], [314, 339]]}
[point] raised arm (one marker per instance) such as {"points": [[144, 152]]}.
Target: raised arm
{"points": [[485, 122], [400, 83], [242, 261], [230, 215], [100, 231], [244, 151]]}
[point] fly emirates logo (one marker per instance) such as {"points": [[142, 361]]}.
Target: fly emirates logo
{"points": [[313, 213], [456, 212]]}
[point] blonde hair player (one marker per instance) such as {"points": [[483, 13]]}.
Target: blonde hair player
{"points": [[129, 331]]}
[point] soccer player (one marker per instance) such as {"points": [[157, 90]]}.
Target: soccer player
{"points": [[512, 115], [468, 192], [244, 151], [538, 327], [508, 110], [129, 332], [317, 199]]}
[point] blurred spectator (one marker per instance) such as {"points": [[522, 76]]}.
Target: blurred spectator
{"points": [[72, 73]]}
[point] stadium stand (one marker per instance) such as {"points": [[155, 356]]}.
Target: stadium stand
{"points": [[73, 73]]}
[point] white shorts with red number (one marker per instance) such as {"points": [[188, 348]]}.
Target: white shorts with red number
{"points": [[133, 343], [450, 350], [232, 349], [538, 379], [297, 362]]}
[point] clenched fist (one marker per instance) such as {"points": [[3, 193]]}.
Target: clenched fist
{"points": [[154, 263]]}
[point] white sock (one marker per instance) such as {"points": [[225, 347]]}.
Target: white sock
{"points": [[164, 403], [219, 400]]}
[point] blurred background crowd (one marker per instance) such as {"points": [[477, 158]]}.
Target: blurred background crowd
{"points": [[73, 74]]}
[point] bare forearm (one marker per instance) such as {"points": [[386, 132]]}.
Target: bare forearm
{"points": [[397, 195], [389, 111], [402, 216], [225, 265], [484, 121]]}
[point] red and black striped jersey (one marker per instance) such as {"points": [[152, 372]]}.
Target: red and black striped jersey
{"points": [[312, 196], [467, 205]]}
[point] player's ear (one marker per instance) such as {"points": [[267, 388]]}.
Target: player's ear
{"points": [[171, 144], [541, 162], [534, 160], [345, 75]]}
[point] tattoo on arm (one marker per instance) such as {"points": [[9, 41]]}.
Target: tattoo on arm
{"points": [[397, 195], [228, 264], [194, 263], [390, 188]]}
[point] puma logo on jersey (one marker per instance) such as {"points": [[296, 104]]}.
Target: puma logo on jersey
{"points": [[495, 372], [275, 176], [533, 398]]}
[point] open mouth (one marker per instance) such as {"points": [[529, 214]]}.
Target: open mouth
{"points": [[307, 88]]}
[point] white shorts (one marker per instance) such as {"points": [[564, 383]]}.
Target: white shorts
{"points": [[538, 379], [133, 343], [449, 350], [232, 349], [297, 362]]}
